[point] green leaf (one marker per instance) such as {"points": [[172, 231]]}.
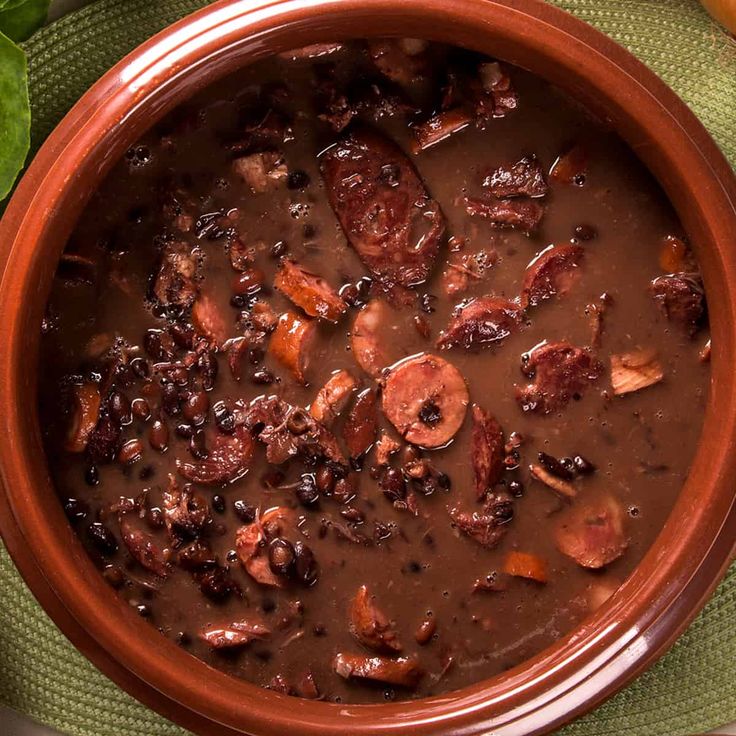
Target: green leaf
{"points": [[15, 113], [20, 18]]}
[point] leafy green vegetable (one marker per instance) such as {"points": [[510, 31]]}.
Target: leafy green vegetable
{"points": [[20, 18], [15, 113]]}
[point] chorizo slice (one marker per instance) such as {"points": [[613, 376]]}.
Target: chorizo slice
{"points": [[143, 548], [361, 424], [560, 373], [400, 671], [370, 625], [228, 460], [487, 450], [592, 534], [234, 634], [681, 298], [426, 398], [291, 343], [85, 414], [333, 397], [309, 291], [481, 322], [552, 273], [522, 214], [383, 208], [523, 178], [369, 350]]}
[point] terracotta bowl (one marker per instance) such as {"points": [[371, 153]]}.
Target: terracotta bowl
{"points": [[656, 603]]}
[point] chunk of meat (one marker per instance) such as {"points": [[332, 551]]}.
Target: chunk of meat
{"points": [[497, 96], [681, 298], [85, 414], [369, 350], [370, 625], [208, 320], [289, 431], [143, 548], [488, 527], [438, 127], [228, 459], [480, 322], [250, 544], [333, 397], [186, 512], [560, 486], [552, 273], [523, 214], [392, 59], [426, 398], [309, 291], [561, 372], [241, 255], [291, 343], [383, 208], [361, 424], [263, 171], [487, 450], [175, 282], [462, 270], [635, 370], [524, 178], [234, 634], [571, 167], [400, 671], [675, 256], [592, 533], [525, 565], [385, 447]]}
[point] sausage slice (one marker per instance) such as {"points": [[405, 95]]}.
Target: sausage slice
{"points": [[426, 398], [402, 671], [487, 449], [481, 322], [369, 351], [552, 273], [291, 342], [309, 291]]}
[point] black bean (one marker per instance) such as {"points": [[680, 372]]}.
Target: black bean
{"points": [[425, 303], [102, 538], [92, 475], [75, 509], [144, 610], [281, 556], [555, 466], [198, 445], [263, 377], [516, 488], [585, 232], [306, 490], [114, 576], [393, 484], [224, 418], [119, 407], [155, 518], [278, 249], [183, 335], [246, 512], [305, 566], [184, 430], [297, 180], [158, 436], [218, 504], [583, 466], [140, 367], [170, 401], [217, 584]]}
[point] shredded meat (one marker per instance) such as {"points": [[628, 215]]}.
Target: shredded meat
{"points": [[263, 171], [186, 512], [488, 527], [175, 281]]}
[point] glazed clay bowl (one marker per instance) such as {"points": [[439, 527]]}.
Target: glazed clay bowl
{"points": [[604, 653]]}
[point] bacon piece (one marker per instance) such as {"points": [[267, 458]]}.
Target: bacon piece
{"points": [[174, 284], [234, 634], [185, 511], [560, 372], [525, 565], [228, 460], [560, 486], [571, 167], [86, 413], [524, 178], [309, 291], [291, 343], [400, 671], [438, 127], [487, 451], [332, 397], [143, 548], [524, 214], [592, 534], [635, 370], [262, 172], [426, 398], [552, 273], [368, 349], [361, 424], [384, 208], [370, 625], [208, 320], [681, 298], [480, 322]]}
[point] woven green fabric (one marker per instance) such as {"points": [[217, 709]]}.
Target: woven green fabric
{"points": [[691, 690]]}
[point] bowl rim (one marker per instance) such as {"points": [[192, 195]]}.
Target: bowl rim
{"points": [[611, 647]]}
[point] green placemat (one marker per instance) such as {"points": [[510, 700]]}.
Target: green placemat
{"points": [[691, 690]]}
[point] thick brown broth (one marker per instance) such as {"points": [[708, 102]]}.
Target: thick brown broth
{"points": [[418, 567]]}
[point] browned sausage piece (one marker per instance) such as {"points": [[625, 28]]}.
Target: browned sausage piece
{"points": [[369, 350], [370, 625], [361, 424], [524, 178], [592, 534], [523, 214], [487, 450], [426, 398], [234, 634], [186, 512], [438, 127], [332, 397], [84, 417], [400, 671], [383, 208], [291, 343], [229, 459], [309, 291], [553, 272], [681, 298], [481, 322], [208, 320], [143, 548], [560, 372], [174, 284]]}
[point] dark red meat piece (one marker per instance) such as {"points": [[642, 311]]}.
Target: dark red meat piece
{"points": [[488, 527], [174, 283], [402, 671], [370, 625], [523, 214], [481, 322], [361, 424], [681, 298], [553, 272], [524, 178], [228, 459], [143, 548], [487, 450]]}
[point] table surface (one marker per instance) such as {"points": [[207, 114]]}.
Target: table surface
{"points": [[15, 724]]}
